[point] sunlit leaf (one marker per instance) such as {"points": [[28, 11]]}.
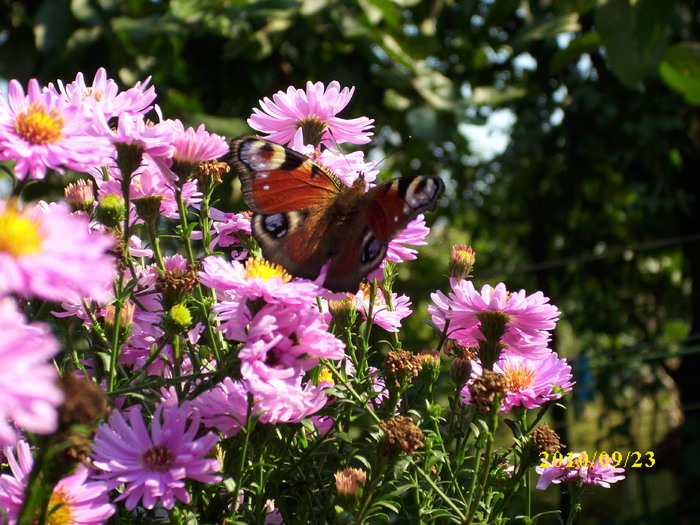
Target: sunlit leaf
{"points": [[681, 70], [547, 27]]}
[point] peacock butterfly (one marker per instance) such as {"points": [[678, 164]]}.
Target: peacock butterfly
{"points": [[304, 216]]}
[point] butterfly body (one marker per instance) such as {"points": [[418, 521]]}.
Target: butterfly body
{"points": [[304, 216]]}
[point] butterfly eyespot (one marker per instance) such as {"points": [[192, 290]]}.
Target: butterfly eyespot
{"points": [[276, 225], [421, 191], [370, 250]]}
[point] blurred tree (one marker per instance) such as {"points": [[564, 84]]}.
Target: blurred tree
{"points": [[594, 200]]}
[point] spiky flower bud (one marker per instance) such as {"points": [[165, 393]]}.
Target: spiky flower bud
{"points": [[80, 195], [462, 261], [430, 366], [348, 483]]}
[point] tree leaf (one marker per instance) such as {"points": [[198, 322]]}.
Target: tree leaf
{"points": [[546, 28], [634, 35], [680, 70]]}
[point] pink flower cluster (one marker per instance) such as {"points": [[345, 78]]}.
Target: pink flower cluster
{"points": [[534, 373], [601, 472], [49, 253], [530, 382], [530, 317], [283, 338]]}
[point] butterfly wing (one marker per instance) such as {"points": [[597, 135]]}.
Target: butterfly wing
{"points": [[386, 211], [304, 216], [288, 194]]}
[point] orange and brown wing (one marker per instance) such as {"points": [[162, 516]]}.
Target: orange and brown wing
{"points": [[275, 179]]}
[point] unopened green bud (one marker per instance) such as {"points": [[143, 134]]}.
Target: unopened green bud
{"points": [[111, 209]]}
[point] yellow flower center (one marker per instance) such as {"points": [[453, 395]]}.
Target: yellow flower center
{"points": [[39, 126], [91, 92], [60, 508], [325, 375], [518, 378], [366, 290], [19, 235], [265, 270]]}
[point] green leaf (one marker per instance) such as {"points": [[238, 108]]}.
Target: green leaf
{"points": [[52, 25], [546, 28], [378, 11], [680, 70], [635, 36], [493, 96]]}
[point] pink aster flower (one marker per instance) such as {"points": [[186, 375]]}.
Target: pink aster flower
{"points": [[529, 317], [255, 279], [155, 140], [74, 499], [287, 401], [195, 146], [229, 229], [283, 342], [153, 465], [47, 252], [40, 131], [189, 148], [224, 407], [414, 234], [530, 382], [388, 319], [349, 166], [577, 467], [289, 111], [104, 95], [148, 181], [29, 394]]}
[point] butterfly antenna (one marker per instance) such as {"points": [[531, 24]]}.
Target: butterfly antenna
{"points": [[397, 148], [340, 150]]}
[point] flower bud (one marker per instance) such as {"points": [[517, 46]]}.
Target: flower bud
{"points": [[462, 260], [80, 196], [126, 319], [178, 318], [344, 313], [348, 483], [430, 366], [148, 208], [460, 371], [111, 209], [129, 157]]}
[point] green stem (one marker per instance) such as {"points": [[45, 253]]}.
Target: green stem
{"points": [[213, 336], [485, 466], [443, 496]]}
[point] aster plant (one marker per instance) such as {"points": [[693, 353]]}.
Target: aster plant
{"points": [[157, 369]]}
